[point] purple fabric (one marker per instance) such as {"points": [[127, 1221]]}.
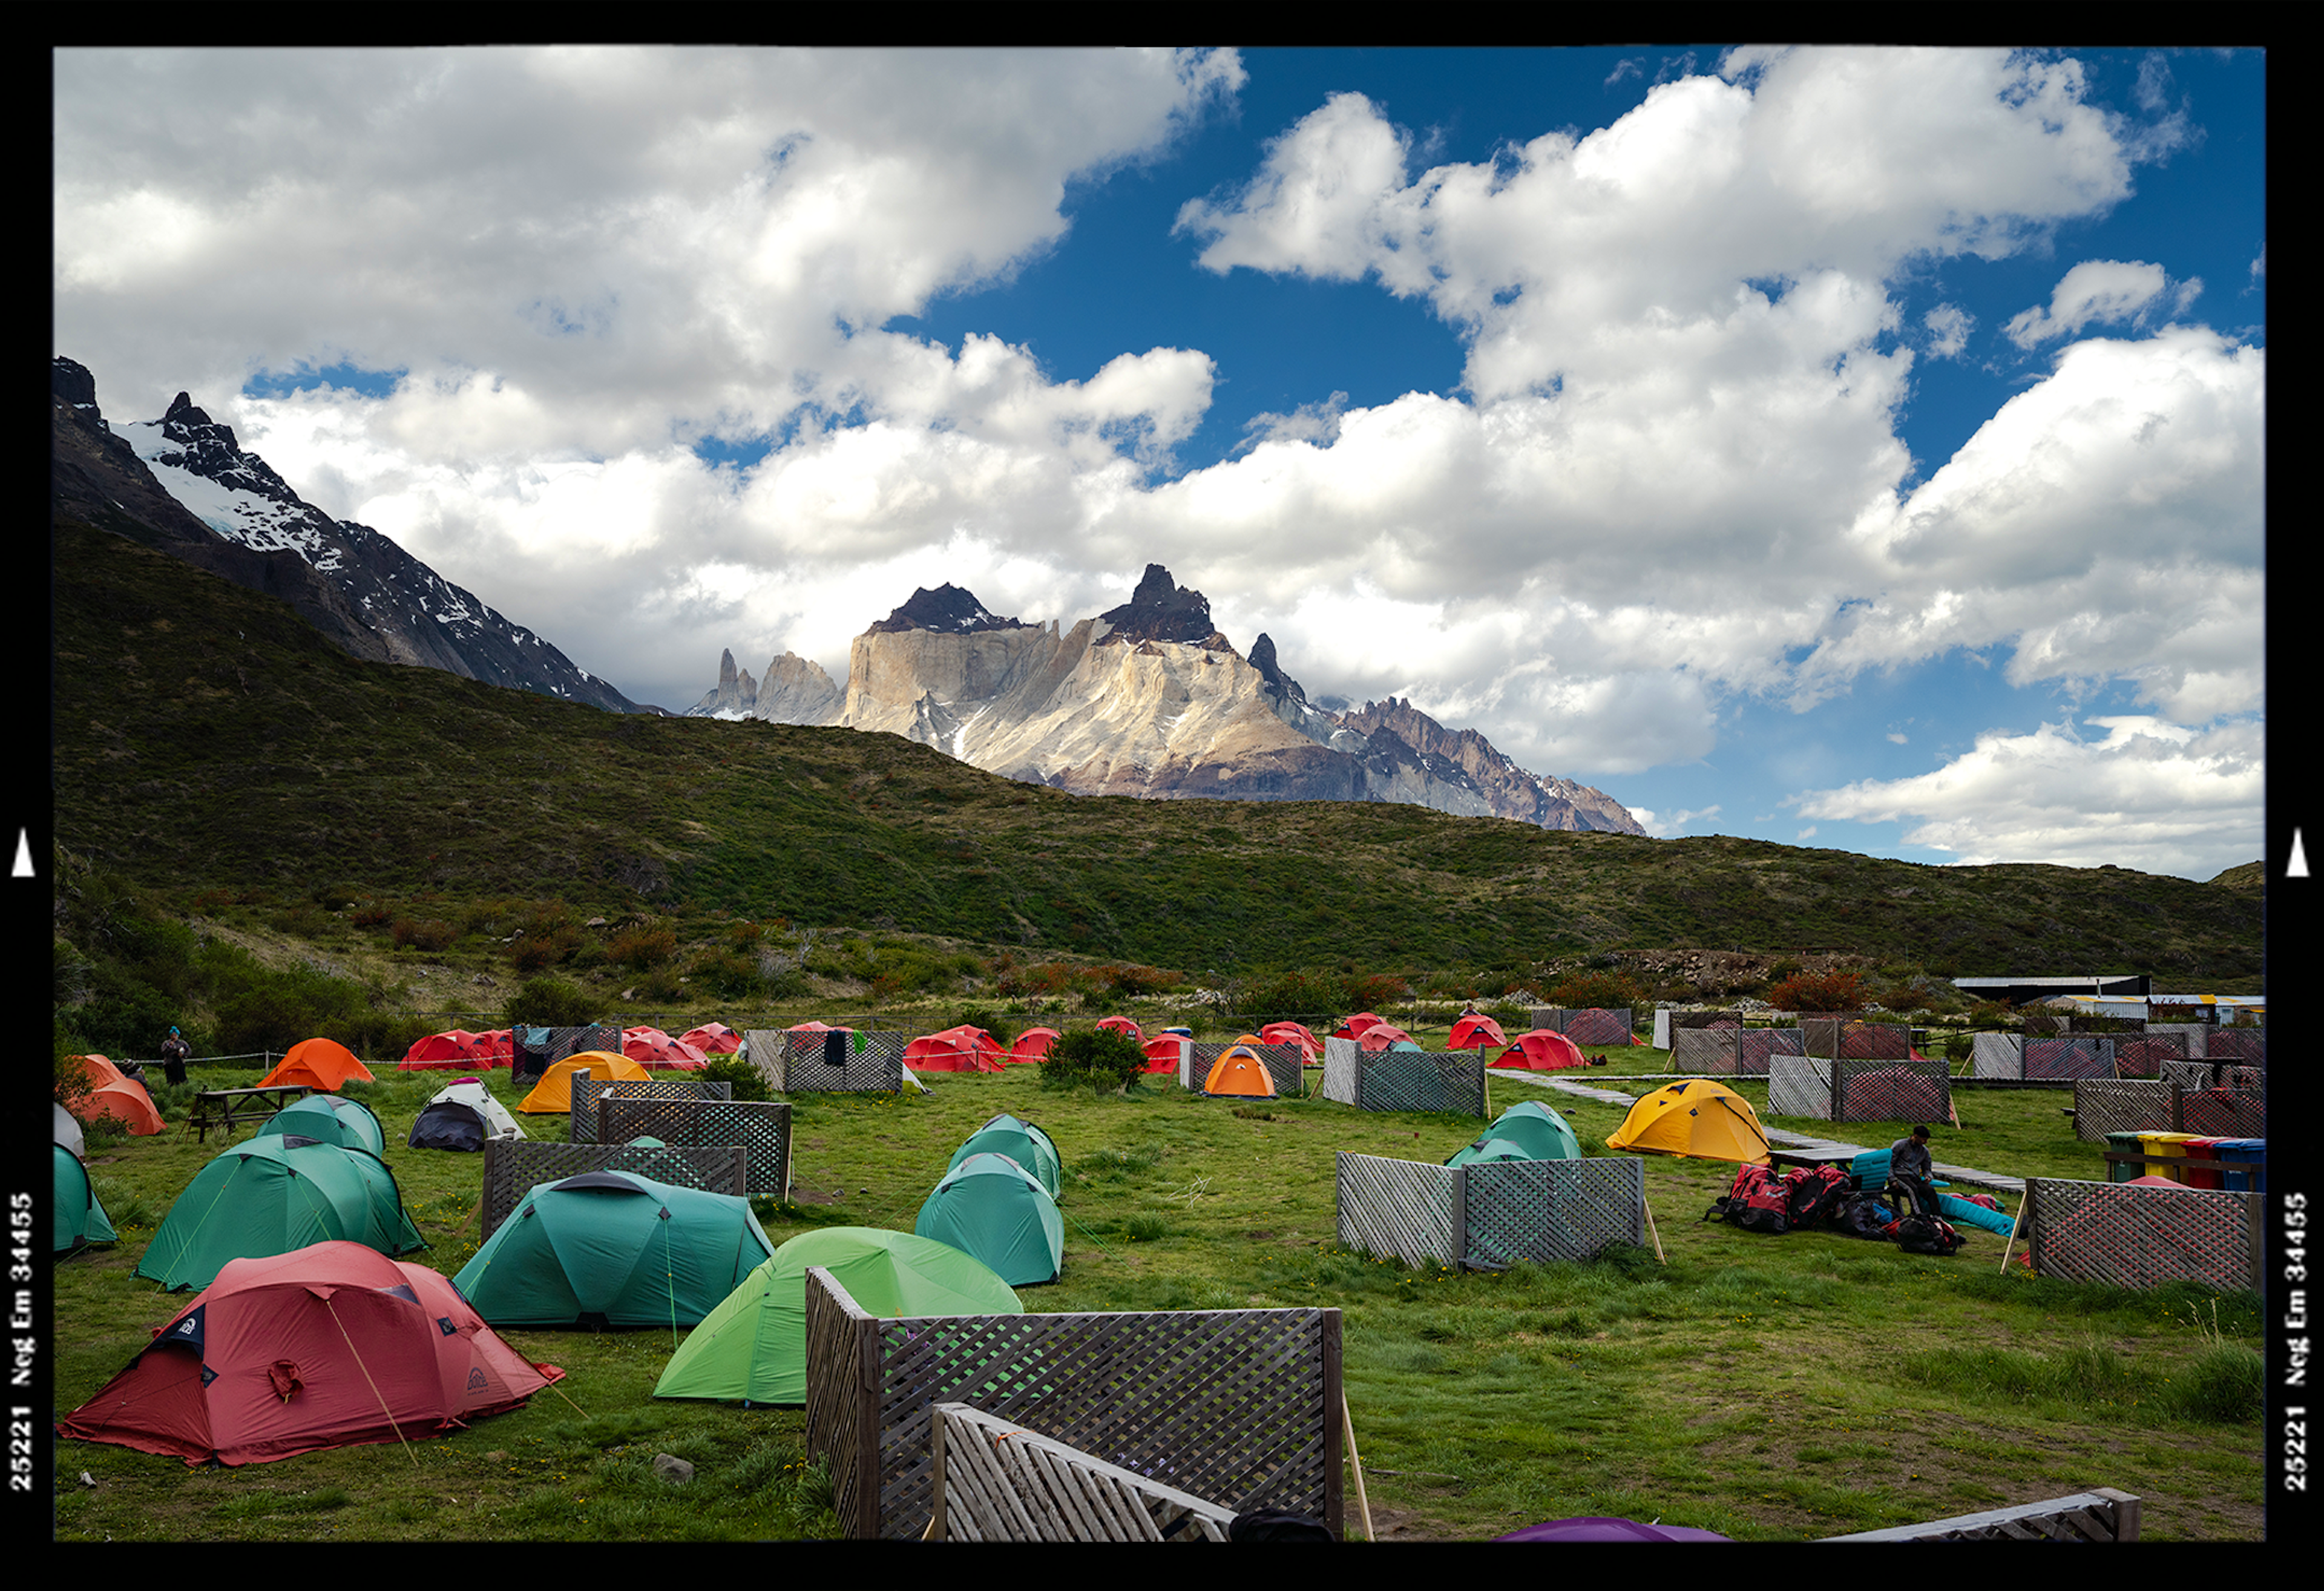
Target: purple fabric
{"points": [[1609, 1530]]}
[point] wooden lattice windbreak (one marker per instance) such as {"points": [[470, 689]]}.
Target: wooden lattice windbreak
{"points": [[1859, 1091], [1240, 1405], [2102, 1514], [1490, 1215], [761, 1127], [1840, 1038], [559, 1044], [2215, 1074], [2033, 1059], [1451, 1081], [513, 1167], [581, 1109], [1589, 1026], [996, 1481], [819, 1063], [2132, 1104], [2134, 1237], [1728, 1051]]}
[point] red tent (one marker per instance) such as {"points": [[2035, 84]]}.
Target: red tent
{"points": [[1164, 1051], [1123, 1025], [1354, 1027], [329, 1346], [1032, 1044], [1542, 1051], [320, 1063], [1292, 1033], [955, 1049], [1379, 1036], [457, 1050], [712, 1038], [652, 1047], [1475, 1032], [113, 1094]]}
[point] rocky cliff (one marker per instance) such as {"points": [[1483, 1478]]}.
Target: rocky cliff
{"points": [[1147, 699], [184, 485]]}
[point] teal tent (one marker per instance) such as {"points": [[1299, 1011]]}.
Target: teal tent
{"points": [[752, 1347], [612, 1248], [328, 1119], [273, 1195], [1530, 1131], [81, 1219], [1021, 1142], [991, 1207]]}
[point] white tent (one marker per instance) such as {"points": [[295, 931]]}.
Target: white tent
{"points": [[68, 1131], [479, 1098]]}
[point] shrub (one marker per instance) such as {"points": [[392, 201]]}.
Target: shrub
{"points": [[535, 952], [1820, 992], [549, 1001], [431, 934], [1607, 991], [1094, 1058], [1297, 992], [743, 1080], [644, 947]]}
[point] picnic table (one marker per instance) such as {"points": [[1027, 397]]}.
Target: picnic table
{"points": [[226, 1108]]}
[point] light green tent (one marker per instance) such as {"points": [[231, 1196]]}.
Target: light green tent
{"points": [[1021, 1142], [273, 1195], [994, 1209], [1530, 1131], [752, 1347], [328, 1119], [81, 1219], [612, 1248]]}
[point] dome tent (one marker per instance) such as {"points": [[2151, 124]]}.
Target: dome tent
{"points": [[1476, 1031], [992, 1207], [329, 1346], [462, 1115], [553, 1094], [79, 1219], [1238, 1073], [753, 1347], [1697, 1117], [1532, 1129], [114, 1093], [611, 1248], [271, 1196], [329, 1119], [320, 1063], [1020, 1141], [1541, 1049]]}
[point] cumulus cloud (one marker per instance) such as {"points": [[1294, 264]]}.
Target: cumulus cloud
{"points": [[2151, 795], [1949, 327], [2097, 292]]}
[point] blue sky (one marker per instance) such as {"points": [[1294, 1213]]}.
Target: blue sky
{"points": [[1851, 447]]}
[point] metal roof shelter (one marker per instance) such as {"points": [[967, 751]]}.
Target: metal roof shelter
{"points": [[2021, 990]]}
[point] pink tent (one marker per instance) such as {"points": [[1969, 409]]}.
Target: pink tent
{"points": [[652, 1047], [1379, 1036], [1291, 1033], [1475, 1032], [1542, 1051], [713, 1038], [1123, 1025]]}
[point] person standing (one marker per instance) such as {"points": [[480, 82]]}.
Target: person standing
{"points": [[175, 1052]]}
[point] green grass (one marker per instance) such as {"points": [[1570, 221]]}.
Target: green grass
{"points": [[1767, 1388]]}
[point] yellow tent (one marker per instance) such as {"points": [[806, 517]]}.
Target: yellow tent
{"points": [[554, 1092], [1697, 1117]]}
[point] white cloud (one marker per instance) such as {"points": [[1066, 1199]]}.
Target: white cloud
{"points": [[2095, 292], [2155, 795], [1949, 327]]}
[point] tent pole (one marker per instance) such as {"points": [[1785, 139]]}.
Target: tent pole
{"points": [[1656, 1236], [1356, 1464]]}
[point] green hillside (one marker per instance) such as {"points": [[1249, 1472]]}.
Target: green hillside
{"points": [[209, 746]]}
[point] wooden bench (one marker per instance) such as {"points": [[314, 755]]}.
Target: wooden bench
{"points": [[999, 1482], [226, 1109], [2102, 1514]]}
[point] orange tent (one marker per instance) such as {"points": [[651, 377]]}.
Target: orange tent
{"points": [[554, 1092], [1240, 1073], [114, 1095], [1542, 1051], [1474, 1031], [320, 1063]]}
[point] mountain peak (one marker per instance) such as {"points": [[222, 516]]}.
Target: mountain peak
{"points": [[947, 609], [1160, 610]]}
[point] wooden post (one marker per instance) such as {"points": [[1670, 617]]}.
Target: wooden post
{"points": [[1356, 1466]]}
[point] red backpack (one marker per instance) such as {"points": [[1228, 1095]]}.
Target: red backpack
{"points": [[1758, 1201]]}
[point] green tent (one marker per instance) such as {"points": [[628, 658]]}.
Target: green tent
{"points": [[752, 1347], [271, 1196], [994, 1209], [1021, 1142], [1530, 1131], [81, 1219], [612, 1248], [328, 1119]]}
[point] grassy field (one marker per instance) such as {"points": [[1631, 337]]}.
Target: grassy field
{"points": [[1770, 1389]]}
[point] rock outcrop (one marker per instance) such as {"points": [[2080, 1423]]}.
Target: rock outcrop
{"points": [[1147, 699]]}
